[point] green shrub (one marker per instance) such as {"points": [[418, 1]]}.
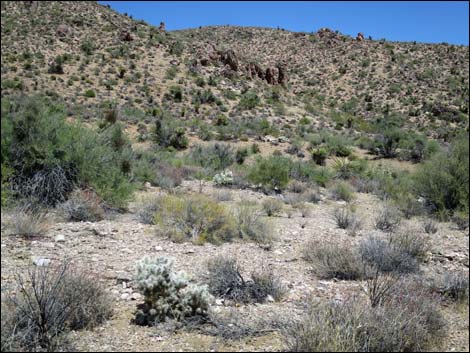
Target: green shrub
{"points": [[443, 181], [217, 156], [89, 93], [249, 100], [319, 155], [196, 218], [272, 172], [342, 191], [169, 133], [49, 156]]}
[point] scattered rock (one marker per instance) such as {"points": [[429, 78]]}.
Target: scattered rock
{"points": [[125, 296], [158, 248]]}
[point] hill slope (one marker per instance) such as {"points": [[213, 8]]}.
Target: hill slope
{"points": [[105, 56]]}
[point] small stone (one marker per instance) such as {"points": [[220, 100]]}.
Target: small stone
{"points": [[219, 302], [60, 238], [41, 262], [125, 296], [277, 252], [136, 296], [158, 248], [190, 251], [270, 299], [49, 245], [124, 285]]}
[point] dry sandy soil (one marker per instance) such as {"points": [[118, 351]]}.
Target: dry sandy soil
{"points": [[111, 248]]}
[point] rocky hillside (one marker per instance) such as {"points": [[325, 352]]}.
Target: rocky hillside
{"points": [[87, 53]]}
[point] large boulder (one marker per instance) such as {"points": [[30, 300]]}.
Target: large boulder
{"points": [[271, 75], [126, 36], [282, 77], [229, 58]]}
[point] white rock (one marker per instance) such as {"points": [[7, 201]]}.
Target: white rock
{"points": [[41, 262], [60, 238], [125, 296], [158, 248], [136, 296], [270, 299], [219, 302]]}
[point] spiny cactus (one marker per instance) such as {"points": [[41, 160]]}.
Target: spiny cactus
{"points": [[167, 294]]}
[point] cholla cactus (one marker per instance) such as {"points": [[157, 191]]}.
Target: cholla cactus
{"points": [[224, 178], [167, 294]]}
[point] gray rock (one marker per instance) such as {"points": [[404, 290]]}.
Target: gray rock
{"points": [[136, 296], [158, 248], [125, 296]]}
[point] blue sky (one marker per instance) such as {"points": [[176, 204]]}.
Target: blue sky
{"points": [[423, 21]]}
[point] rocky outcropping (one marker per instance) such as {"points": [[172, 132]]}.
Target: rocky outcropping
{"points": [[360, 37], [125, 36]]}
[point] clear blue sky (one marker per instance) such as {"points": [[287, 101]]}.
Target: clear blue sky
{"points": [[423, 21]]}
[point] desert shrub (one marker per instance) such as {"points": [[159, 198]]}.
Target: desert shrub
{"points": [[217, 156], [388, 219], [196, 218], [304, 209], [89, 93], [29, 220], [329, 260], [346, 169], [430, 226], [49, 156], [453, 286], [50, 302], [147, 208], [443, 181], [83, 205], [250, 226], [342, 191], [169, 132], [272, 172], [249, 100], [388, 141], [345, 219], [414, 244], [272, 207], [225, 281], [167, 294], [385, 257], [409, 322], [460, 218], [319, 155]]}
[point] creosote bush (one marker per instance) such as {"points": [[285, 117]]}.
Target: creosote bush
{"points": [[388, 219], [167, 294]]}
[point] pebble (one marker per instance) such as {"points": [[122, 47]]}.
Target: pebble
{"points": [[125, 296], [60, 238], [41, 262], [158, 248], [136, 296]]}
